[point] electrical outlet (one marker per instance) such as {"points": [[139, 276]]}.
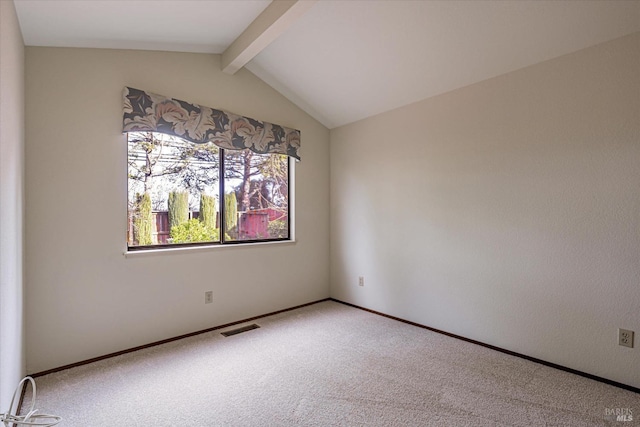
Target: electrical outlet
{"points": [[625, 338], [361, 281], [208, 297]]}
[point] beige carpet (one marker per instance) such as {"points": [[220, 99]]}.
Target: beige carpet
{"points": [[326, 365]]}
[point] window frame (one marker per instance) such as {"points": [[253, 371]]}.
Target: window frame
{"points": [[221, 187]]}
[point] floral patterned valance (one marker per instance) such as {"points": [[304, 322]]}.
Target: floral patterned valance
{"points": [[148, 112]]}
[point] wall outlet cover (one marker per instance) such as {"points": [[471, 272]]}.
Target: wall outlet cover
{"points": [[625, 338]]}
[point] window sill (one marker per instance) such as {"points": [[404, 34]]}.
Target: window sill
{"points": [[190, 249]]}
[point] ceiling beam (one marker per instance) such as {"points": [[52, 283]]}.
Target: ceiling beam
{"points": [[268, 26]]}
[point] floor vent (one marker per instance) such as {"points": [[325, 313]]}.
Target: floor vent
{"points": [[240, 330]]}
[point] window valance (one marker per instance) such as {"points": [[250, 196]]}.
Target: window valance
{"points": [[148, 112]]}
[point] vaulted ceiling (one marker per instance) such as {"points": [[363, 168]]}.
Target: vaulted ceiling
{"points": [[343, 60]]}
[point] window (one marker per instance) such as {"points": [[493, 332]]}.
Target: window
{"points": [[186, 194]]}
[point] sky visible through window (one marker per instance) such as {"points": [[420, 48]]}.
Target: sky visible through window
{"points": [[174, 193]]}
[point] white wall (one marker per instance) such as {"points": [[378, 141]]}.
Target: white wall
{"points": [[12, 366], [84, 298], [507, 212]]}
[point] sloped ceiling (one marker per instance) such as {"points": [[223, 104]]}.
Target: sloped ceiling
{"points": [[343, 61]]}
